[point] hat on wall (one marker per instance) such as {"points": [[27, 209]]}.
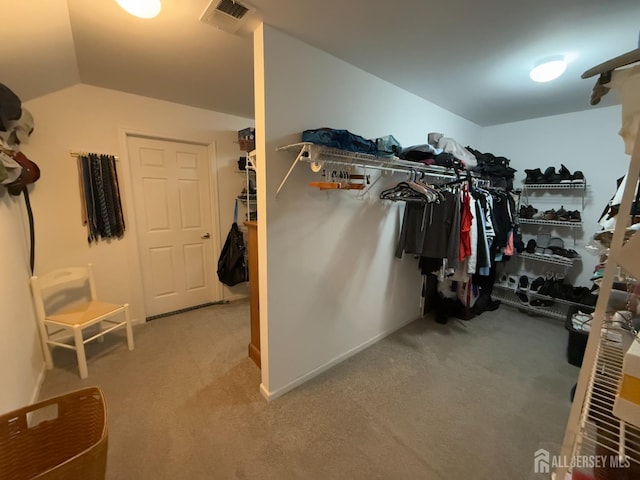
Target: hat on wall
{"points": [[10, 106], [12, 169], [18, 131]]}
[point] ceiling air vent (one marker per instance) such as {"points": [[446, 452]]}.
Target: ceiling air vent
{"points": [[227, 15]]}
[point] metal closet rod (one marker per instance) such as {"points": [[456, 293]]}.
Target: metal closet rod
{"points": [[387, 168], [75, 153]]}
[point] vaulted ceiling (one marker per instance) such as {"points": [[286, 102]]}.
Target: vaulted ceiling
{"points": [[471, 58]]}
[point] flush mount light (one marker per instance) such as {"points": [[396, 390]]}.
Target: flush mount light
{"points": [[141, 8], [548, 69]]}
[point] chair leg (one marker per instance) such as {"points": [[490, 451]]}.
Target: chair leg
{"points": [[82, 358], [46, 349], [129, 329], [48, 360]]}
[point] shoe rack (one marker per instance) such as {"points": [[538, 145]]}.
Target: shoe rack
{"points": [[529, 188], [513, 295]]}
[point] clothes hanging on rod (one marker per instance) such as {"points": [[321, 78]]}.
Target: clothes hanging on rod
{"points": [[458, 239]]}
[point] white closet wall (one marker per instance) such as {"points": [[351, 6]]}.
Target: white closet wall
{"points": [[21, 364], [332, 283]]}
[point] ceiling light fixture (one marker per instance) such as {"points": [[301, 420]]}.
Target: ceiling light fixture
{"points": [[548, 69], [141, 8]]}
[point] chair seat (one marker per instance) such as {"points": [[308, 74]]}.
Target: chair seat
{"points": [[84, 313]]}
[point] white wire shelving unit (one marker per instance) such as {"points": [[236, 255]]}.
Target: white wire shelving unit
{"points": [[508, 296], [558, 309], [554, 259], [551, 186], [553, 223], [580, 187], [319, 157], [600, 433], [592, 428]]}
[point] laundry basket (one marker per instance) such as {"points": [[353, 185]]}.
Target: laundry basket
{"points": [[69, 443]]}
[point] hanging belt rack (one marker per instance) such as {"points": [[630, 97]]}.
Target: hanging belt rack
{"points": [[320, 155]]}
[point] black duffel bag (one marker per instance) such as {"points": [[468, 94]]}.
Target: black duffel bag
{"points": [[232, 265]]}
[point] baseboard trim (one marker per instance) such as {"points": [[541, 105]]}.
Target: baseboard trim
{"points": [[272, 395], [183, 310]]}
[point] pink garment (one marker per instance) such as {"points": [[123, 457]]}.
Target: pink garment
{"points": [[509, 250]]}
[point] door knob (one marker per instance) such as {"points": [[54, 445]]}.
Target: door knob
{"points": [[206, 235]]}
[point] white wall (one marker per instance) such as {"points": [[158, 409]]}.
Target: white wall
{"points": [[20, 354], [86, 118], [587, 141], [327, 259]]}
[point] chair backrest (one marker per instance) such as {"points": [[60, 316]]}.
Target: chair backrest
{"points": [[57, 286]]}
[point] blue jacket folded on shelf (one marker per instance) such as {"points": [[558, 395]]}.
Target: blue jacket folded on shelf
{"points": [[340, 139]]}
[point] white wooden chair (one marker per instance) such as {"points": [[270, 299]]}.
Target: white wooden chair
{"points": [[61, 291]]}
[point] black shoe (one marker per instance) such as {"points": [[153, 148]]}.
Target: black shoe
{"points": [[536, 284], [550, 175], [531, 246], [578, 177], [565, 174], [533, 176], [523, 298], [563, 215], [575, 216], [527, 211], [539, 302], [523, 282]]}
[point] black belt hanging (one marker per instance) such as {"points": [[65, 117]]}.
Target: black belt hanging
{"points": [[25, 192]]}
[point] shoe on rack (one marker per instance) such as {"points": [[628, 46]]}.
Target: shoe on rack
{"points": [[540, 302], [550, 215], [550, 175], [533, 176], [570, 253], [531, 246], [523, 298], [536, 284], [527, 211], [565, 174], [523, 283], [575, 216], [578, 177], [563, 215], [512, 282]]}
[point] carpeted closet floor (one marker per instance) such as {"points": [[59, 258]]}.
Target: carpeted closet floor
{"points": [[463, 400]]}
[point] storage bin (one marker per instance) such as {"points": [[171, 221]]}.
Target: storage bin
{"points": [[70, 444], [247, 139], [577, 343]]}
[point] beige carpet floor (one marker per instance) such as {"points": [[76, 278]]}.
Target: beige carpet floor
{"points": [[470, 400]]}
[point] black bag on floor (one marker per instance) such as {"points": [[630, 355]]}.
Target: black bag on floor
{"points": [[232, 266]]}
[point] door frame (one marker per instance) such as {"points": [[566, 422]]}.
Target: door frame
{"points": [[133, 253]]}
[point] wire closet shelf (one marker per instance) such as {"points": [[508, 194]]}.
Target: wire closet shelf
{"points": [[321, 156]]}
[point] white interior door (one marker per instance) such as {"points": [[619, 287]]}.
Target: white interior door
{"points": [[176, 235]]}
